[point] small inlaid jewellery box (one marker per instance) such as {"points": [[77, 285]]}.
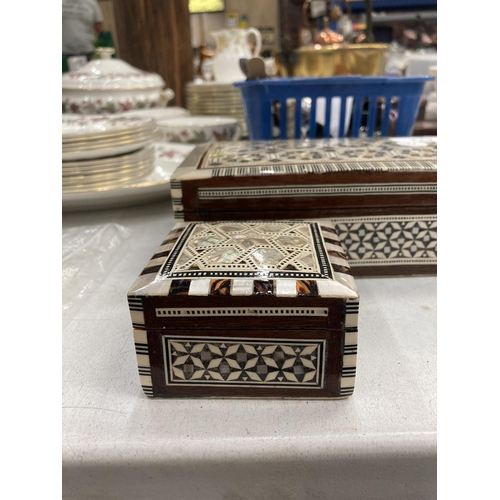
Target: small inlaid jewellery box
{"points": [[381, 193], [264, 309]]}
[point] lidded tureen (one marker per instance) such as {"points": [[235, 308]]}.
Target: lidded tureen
{"points": [[108, 85]]}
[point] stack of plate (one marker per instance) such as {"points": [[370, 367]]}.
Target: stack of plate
{"points": [[111, 171], [86, 137], [103, 150], [211, 98], [113, 194]]}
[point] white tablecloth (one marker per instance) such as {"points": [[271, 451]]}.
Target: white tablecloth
{"points": [[119, 445]]}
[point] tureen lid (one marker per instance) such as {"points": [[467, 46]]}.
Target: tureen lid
{"points": [[110, 74]]}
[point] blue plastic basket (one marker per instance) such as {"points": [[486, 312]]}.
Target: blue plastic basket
{"points": [[369, 105]]}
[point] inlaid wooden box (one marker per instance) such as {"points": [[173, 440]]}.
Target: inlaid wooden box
{"points": [[258, 309], [381, 193]]}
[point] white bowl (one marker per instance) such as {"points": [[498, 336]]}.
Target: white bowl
{"points": [[418, 64], [197, 129], [159, 113]]}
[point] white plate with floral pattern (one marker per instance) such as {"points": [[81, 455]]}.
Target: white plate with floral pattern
{"points": [[158, 113], [80, 127], [196, 129]]}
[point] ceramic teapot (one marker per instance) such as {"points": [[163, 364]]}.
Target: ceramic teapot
{"points": [[231, 45]]}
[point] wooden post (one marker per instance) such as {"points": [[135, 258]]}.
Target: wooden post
{"points": [[369, 22], [155, 36]]}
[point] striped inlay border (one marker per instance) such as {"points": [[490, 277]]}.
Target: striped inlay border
{"points": [[322, 168], [318, 190], [241, 311], [143, 361], [350, 350], [136, 312], [176, 196]]}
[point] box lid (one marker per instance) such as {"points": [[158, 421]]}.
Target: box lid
{"points": [[332, 176], [248, 259], [304, 156]]}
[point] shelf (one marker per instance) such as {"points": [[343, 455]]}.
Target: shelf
{"points": [[392, 5]]}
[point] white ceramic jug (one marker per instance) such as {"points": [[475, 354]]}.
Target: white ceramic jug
{"points": [[231, 46]]}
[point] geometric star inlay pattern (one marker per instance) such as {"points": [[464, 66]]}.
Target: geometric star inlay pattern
{"points": [[383, 241], [246, 362], [249, 249]]}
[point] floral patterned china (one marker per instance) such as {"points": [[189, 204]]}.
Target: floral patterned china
{"points": [[106, 85], [78, 127], [159, 113], [197, 129]]}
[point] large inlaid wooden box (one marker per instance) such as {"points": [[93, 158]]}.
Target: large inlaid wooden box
{"points": [[258, 309], [381, 193]]}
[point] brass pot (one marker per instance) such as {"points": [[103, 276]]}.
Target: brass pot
{"points": [[341, 59]]}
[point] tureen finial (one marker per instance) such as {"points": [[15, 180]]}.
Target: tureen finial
{"points": [[105, 52]]}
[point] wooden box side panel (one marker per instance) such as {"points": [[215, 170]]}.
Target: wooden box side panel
{"points": [[307, 363], [207, 199], [278, 364], [157, 366]]}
